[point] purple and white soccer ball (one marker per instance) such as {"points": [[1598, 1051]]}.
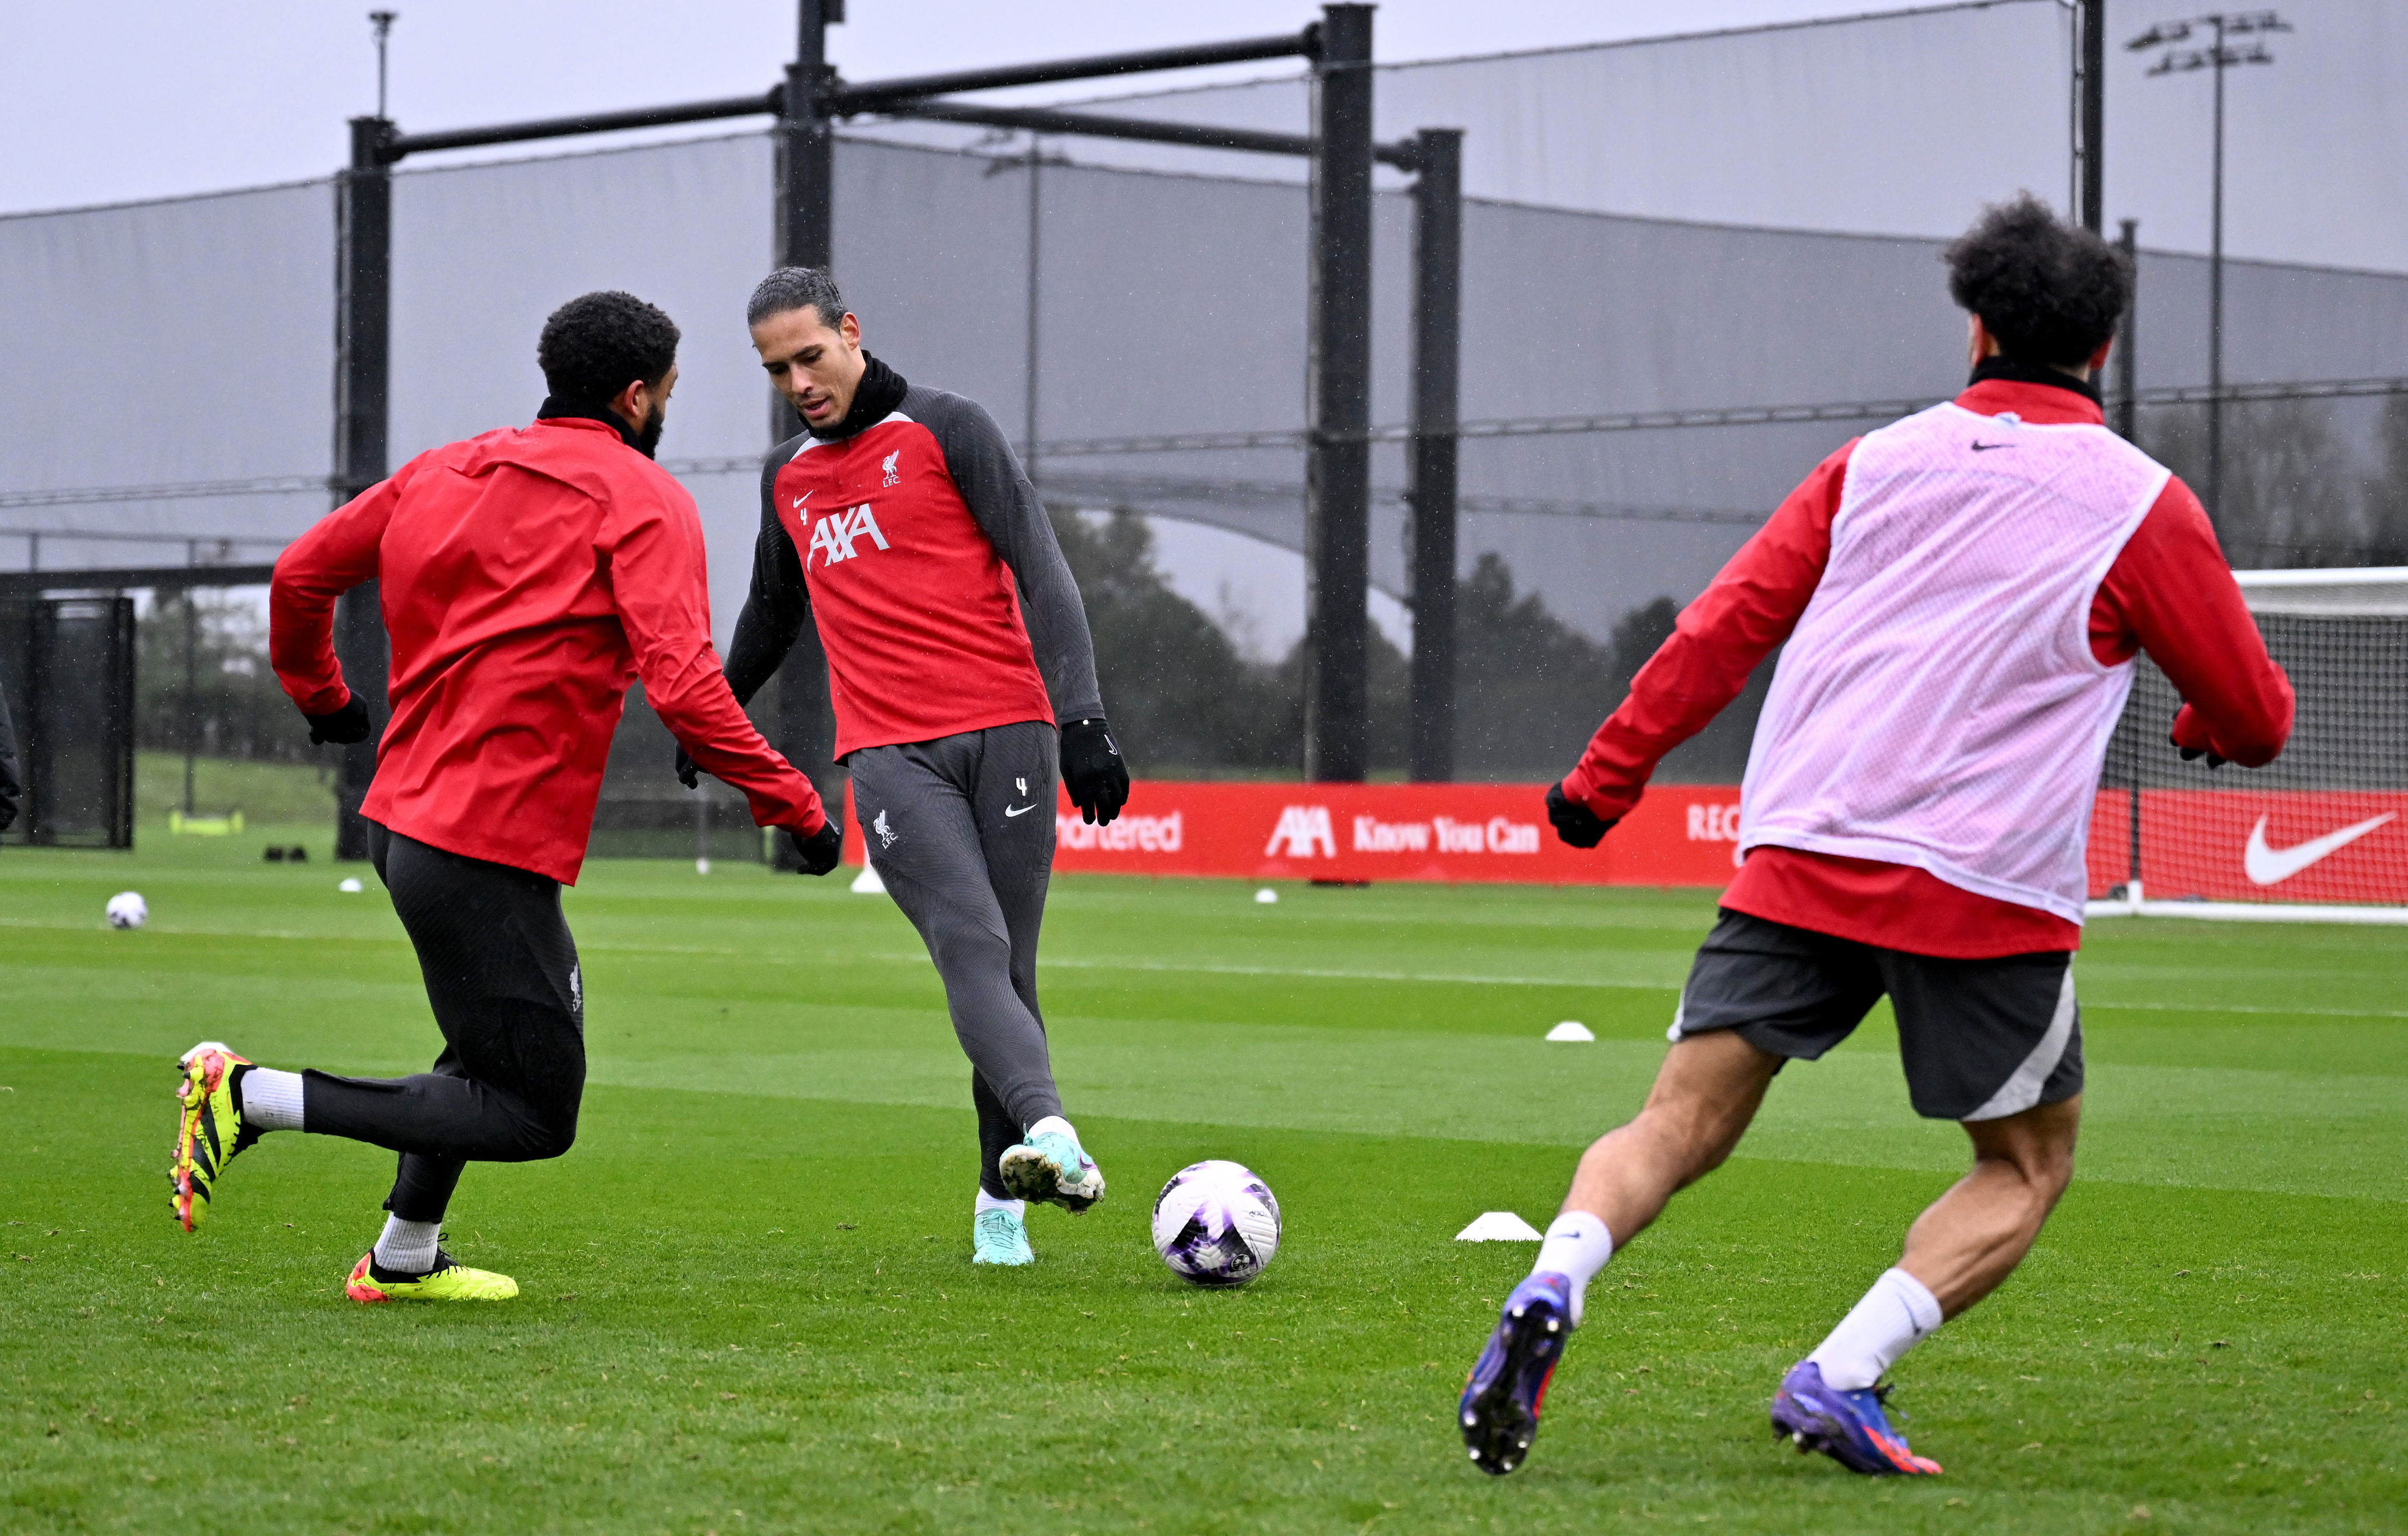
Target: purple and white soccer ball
{"points": [[1216, 1223], [127, 909]]}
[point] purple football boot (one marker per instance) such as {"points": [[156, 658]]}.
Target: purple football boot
{"points": [[1499, 1412], [1848, 1427]]}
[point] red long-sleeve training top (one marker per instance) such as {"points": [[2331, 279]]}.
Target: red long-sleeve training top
{"points": [[2168, 593], [527, 577]]}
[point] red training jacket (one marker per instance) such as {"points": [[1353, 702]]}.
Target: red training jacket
{"points": [[527, 577], [2168, 593]]}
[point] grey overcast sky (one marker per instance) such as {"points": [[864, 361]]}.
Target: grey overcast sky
{"points": [[146, 98]]}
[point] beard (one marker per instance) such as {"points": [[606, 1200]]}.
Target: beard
{"points": [[649, 438]]}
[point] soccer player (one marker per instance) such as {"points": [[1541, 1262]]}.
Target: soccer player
{"points": [[1962, 593], [899, 521], [527, 576]]}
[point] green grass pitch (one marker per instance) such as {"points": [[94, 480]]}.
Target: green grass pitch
{"points": [[748, 1304]]}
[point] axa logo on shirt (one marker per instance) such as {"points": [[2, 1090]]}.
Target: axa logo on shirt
{"points": [[836, 535]]}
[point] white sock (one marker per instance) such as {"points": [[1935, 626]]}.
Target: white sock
{"points": [[407, 1247], [270, 1100], [1053, 1125], [1897, 1314], [1576, 1247], [987, 1202]]}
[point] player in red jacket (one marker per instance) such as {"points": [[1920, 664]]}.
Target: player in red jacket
{"points": [[527, 577], [1961, 594]]}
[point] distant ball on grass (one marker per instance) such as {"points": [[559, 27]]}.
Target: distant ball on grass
{"points": [[1216, 1223], [127, 909]]}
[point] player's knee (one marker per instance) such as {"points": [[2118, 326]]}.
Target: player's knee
{"points": [[549, 1135]]}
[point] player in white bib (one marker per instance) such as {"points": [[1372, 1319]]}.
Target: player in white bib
{"points": [[1962, 593]]}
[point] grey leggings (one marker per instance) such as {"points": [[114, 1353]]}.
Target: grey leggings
{"points": [[961, 830]]}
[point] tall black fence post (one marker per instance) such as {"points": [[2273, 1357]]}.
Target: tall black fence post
{"points": [[1430, 484], [2093, 105], [806, 729], [2128, 355], [1337, 468], [363, 341]]}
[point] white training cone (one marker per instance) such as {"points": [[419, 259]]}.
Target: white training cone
{"points": [[1500, 1227], [866, 882], [1570, 1029], [1267, 896]]}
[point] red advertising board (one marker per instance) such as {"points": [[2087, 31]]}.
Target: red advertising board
{"points": [[1680, 835], [2224, 845], [2256, 845]]}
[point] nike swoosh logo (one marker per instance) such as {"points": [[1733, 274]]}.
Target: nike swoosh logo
{"points": [[2271, 865], [1019, 809], [1983, 447], [805, 496]]}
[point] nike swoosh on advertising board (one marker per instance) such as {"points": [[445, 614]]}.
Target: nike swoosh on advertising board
{"points": [[2271, 865], [1019, 809]]}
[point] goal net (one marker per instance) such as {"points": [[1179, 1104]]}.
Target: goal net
{"points": [[2321, 833]]}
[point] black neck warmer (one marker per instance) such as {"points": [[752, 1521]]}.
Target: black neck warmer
{"points": [[2014, 370], [555, 408], [880, 390]]}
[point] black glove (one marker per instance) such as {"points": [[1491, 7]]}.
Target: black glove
{"points": [[817, 854], [1575, 823], [2192, 755], [1092, 770], [343, 726], [687, 773]]}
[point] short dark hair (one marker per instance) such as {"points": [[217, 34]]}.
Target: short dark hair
{"points": [[796, 288], [2049, 291], [597, 344]]}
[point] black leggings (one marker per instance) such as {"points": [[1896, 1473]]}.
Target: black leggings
{"points": [[501, 972]]}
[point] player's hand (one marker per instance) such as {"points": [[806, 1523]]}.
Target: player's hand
{"points": [[818, 853], [1575, 823], [1092, 770], [342, 727], [687, 773], [2189, 737]]}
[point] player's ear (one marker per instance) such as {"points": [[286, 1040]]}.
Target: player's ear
{"points": [[849, 328]]}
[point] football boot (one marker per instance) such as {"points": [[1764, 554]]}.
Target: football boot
{"points": [[1850, 1428], [1051, 1167], [1499, 1410], [208, 1129], [448, 1281]]}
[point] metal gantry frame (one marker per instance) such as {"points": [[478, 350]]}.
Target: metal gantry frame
{"points": [[1337, 440]]}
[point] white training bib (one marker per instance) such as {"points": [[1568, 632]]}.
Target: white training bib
{"points": [[1939, 705]]}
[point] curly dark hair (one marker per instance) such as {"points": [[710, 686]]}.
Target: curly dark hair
{"points": [[796, 288], [597, 344], [2049, 291]]}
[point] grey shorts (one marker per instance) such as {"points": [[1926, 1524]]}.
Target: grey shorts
{"points": [[1980, 1040]]}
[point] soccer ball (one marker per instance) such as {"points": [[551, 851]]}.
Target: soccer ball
{"points": [[127, 909], [1216, 1223]]}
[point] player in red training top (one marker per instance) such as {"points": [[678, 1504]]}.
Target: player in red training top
{"points": [[899, 521], [527, 576], [1962, 593]]}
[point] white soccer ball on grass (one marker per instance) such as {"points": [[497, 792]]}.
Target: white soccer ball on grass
{"points": [[127, 909], [1216, 1223]]}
